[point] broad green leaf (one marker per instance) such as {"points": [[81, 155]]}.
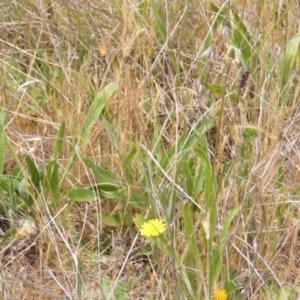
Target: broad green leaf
{"points": [[52, 181], [222, 91], [226, 226], [81, 195], [95, 110], [285, 293], [106, 286], [23, 189], [100, 173], [34, 173], [139, 220], [189, 178], [215, 266], [9, 184], [121, 291], [112, 220], [110, 191], [210, 188], [109, 187], [286, 64], [208, 178], [139, 202]]}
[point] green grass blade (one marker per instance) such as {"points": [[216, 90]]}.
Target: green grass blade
{"points": [[52, 181], [220, 17], [111, 131], [159, 23], [242, 39], [209, 192], [193, 260], [59, 139], [286, 65], [96, 110], [79, 281]]}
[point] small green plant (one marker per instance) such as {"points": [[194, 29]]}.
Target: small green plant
{"points": [[149, 150]]}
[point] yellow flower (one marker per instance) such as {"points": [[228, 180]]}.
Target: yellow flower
{"points": [[220, 295], [153, 227]]}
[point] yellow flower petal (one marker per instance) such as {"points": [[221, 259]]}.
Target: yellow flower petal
{"points": [[220, 295], [153, 227]]}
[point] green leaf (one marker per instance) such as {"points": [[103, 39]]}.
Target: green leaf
{"points": [[209, 194], [139, 202], [34, 173], [6, 183], [215, 267], [159, 23], [59, 139], [100, 173], [105, 286], [23, 190], [198, 134], [285, 293], [139, 220], [222, 91], [52, 182], [111, 131], [226, 226], [110, 191], [221, 14], [81, 195], [121, 291], [95, 110], [14, 155], [193, 260], [241, 39], [286, 64], [79, 277], [220, 17], [112, 220]]}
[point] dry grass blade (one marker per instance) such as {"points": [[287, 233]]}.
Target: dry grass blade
{"points": [[116, 113]]}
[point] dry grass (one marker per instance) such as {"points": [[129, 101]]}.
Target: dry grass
{"points": [[178, 88]]}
